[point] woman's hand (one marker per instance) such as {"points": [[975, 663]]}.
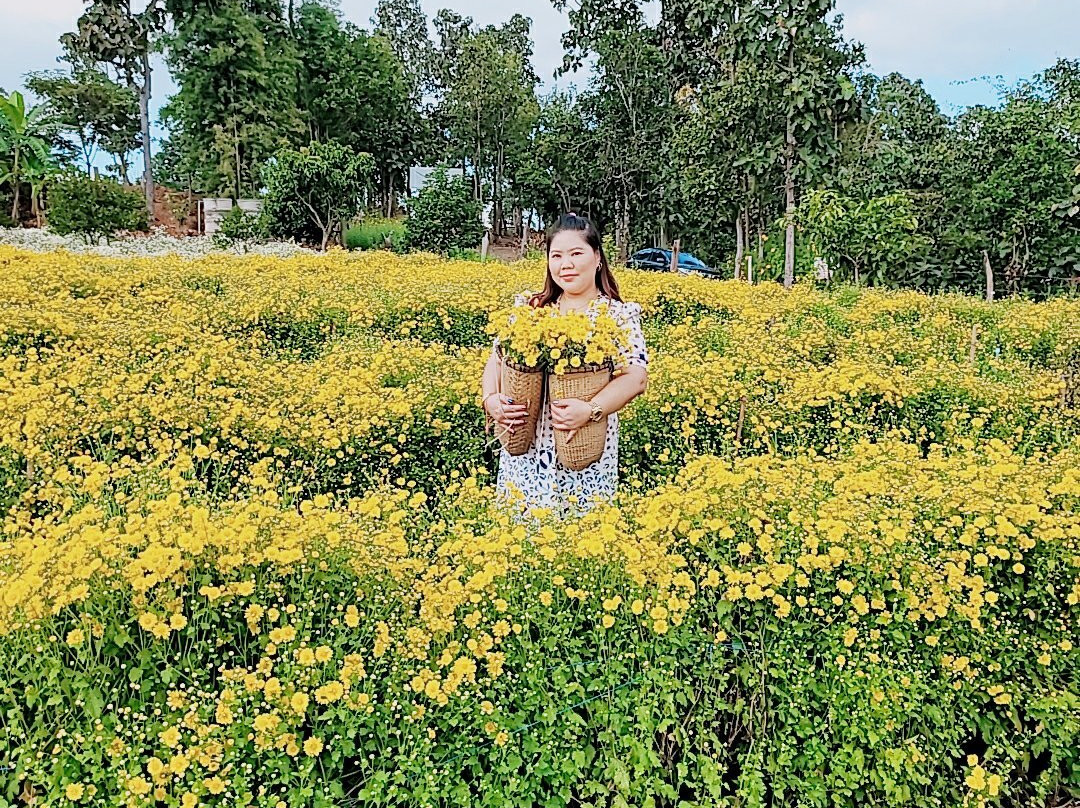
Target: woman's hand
{"points": [[570, 413], [505, 412]]}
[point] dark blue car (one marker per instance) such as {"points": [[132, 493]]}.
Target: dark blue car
{"points": [[659, 260]]}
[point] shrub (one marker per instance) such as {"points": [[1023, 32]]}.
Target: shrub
{"points": [[444, 217], [314, 190], [375, 233], [240, 229], [94, 208]]}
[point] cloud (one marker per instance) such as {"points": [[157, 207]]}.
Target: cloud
{"points": [[51, 14]]}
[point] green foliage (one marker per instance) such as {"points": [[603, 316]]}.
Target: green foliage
{"points": [[315, 188], [627, 113], [550, 176], [488, 101], [893, 148], [111, 33], [994, 180], [92, 107], [876, 239], [375, 233], [444, 216], [237, 103], [354, 90], [240, 229], [24, 144], [94, 208]]}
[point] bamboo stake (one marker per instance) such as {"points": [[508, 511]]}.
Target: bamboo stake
{"points": [[742, 417]]}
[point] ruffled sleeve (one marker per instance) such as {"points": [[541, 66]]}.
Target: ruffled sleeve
{"points": [[629, 317]]}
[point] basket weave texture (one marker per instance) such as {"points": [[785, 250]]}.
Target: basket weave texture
{"points": [[580, 449], [525, 386]]}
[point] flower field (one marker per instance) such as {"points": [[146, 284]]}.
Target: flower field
{"points": [[251, 554]]}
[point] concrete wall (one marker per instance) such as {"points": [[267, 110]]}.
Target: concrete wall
{"points": [[212, 211]]}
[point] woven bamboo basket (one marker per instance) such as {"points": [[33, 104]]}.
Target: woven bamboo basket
{"points": [[579, 449], [525, 386]]}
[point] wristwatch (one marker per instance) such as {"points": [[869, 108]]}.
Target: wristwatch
{"points": [[597, 413]]}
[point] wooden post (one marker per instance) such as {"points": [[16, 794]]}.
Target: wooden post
{"points": [[974, 342], [485, 242], [742, 417], [674, 257], [740, 250], [750, 269], [989, 278]]}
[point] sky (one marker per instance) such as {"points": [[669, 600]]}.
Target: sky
{"points": [[961, 49]]}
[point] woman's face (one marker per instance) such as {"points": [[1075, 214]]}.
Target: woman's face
{"points": [[572, 262]]}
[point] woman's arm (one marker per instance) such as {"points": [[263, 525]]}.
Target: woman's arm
{"points": [[499, 408], [490, 380], [574, 413], [623, 389]]}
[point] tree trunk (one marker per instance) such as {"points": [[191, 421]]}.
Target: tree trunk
{"points": [[15, 185], [144, 121], [496, 195], [236, 159], [789, 207], [789, 182], [740, 245], [760, 240], [989, 271], [622, 227]]}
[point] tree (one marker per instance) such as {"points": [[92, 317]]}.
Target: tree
{"points": [[321, 185], [444, 216], [489, 102], [353, 89], [98, 111], [23, 136], [550, 173], [876, 238], [627, 109], [237, 71], [892, 147], [404, 26], [809, 87], [1002, 171], [110, 33]]}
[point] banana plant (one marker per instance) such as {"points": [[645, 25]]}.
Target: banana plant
{"points": [[38, 173], [22, 138]]}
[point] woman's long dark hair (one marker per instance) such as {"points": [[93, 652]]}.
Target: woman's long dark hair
{"points": [[605, 281]]}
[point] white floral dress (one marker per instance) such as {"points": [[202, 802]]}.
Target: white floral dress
{"points": [[536, 479]]}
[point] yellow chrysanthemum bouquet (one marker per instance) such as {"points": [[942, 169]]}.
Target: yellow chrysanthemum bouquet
{"points": [[577, 352]]}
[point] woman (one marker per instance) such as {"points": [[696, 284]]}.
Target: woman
{"points": [[578, 278]]}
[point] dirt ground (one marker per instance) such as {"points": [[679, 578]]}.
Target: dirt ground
{"points": [[175, 211]]}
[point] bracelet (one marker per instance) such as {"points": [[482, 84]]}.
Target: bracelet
{"points": [[483, 401]]}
